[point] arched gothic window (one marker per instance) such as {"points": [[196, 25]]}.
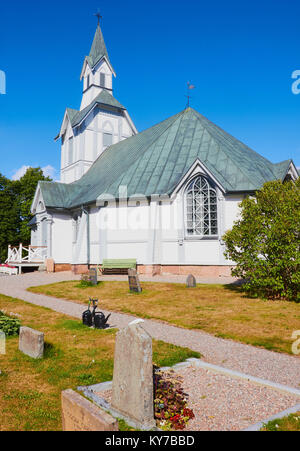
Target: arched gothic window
{"points": [[201, 208]]}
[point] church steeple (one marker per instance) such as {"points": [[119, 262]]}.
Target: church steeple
{"points": [[98, 49], [97, 70], [101, 121]]}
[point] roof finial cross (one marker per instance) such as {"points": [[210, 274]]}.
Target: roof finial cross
{"points": [[98, 15]]}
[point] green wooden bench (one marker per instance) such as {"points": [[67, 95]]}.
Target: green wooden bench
{"points": [[118, 266]]}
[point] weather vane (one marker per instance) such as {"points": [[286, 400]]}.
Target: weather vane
{"points": [[189, 88], [98, 15]]}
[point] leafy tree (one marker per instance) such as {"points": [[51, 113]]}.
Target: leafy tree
{"points": [[265, 242], [9, 216], [26, 187], [15, 202]]}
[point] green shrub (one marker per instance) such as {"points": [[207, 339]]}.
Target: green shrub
{"points": [[10, 326], [85, 282], [264, 242]]}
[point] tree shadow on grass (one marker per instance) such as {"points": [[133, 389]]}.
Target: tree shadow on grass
{"points": [[237, 287], [51, 351]]}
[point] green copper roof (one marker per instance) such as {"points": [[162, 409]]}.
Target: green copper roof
{"points": [[282, 168], [156, 160], [104, 98], [98, 49], [57, 195], [72, 113]]}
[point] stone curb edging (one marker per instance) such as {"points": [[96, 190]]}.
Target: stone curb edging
{"points": [[285, 413], [88, 391], [236, 374], [283, 388]]}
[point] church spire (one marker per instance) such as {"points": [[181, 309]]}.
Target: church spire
{"points": [[97, 71], [98, 49]]}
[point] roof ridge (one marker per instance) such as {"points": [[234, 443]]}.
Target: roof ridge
{"points": [[158, 157], [228, 155], [139, 134], [135, 137], [180, 117], [231, 136], [173, 118]]}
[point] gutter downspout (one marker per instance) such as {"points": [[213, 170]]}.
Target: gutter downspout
{"points": [[88, 251]]}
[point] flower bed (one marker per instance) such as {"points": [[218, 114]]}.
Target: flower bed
{"points": [[170, 401]]}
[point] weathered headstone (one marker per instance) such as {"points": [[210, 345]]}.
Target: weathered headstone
{"points": [[134, 281], [93, 276], [2, 342], [191, 281], [132, 393], [79, 414], [31, 342]]}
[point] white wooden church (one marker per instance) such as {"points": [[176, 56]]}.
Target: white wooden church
{"points": [[164, 196]]}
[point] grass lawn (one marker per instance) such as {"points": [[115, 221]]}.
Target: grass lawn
{"points": [[290, 423], [74, 355], [220, 310]]}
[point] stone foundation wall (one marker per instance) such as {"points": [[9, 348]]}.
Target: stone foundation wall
{"points": [[80, 269], [178, 270], [60, 267], [157, 270]]}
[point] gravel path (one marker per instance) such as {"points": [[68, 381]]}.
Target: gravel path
{"points": [[279, 368]]}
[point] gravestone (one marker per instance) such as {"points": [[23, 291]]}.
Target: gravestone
{"points": [[93, 276], [2, 342], [132, 392], [79, 414], [191, 281], [31, 342], [134, 281]]}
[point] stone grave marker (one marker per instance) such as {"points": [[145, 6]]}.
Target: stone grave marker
{"points": [[2, 342], [31, 342], [132, 391], [191, 281], [79, 414], [134, 281], [93, 277]]}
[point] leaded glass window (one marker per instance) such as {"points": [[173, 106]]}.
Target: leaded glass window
{"points": [[201, 208]]}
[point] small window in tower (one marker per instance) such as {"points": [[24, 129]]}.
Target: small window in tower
{"points": [[102, 80], [107, 140], [87, 82], [70, 153]]}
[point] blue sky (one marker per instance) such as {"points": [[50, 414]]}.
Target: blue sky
{"points": [[240, 56]]}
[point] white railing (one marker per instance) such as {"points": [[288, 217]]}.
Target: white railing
{"points": [[30, 254]]}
